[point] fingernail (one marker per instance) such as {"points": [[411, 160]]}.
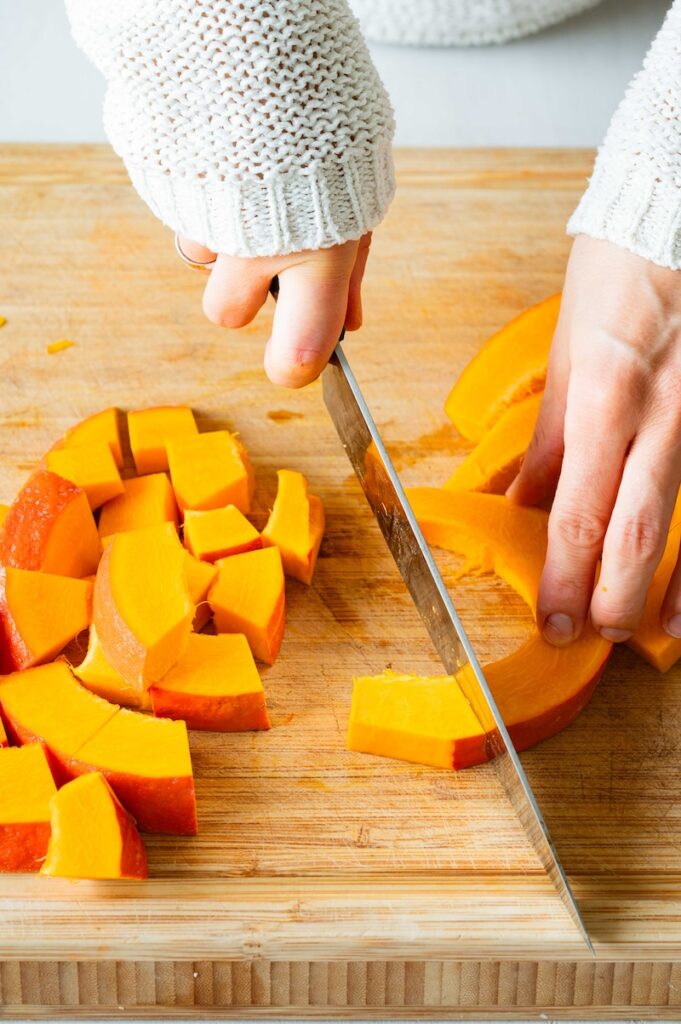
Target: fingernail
{"points": [[673, 626], [512, 488], [615, 636], [558, 629]]}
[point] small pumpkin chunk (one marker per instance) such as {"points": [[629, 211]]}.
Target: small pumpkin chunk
{"points": [[295, 525], [215, 685], [219, 533], [248, 597], [91, 467], [93, 836], [26, 788], [145, 501], [199, 577], [98, 676], [150, 431], [210, 471], [103, 427]]}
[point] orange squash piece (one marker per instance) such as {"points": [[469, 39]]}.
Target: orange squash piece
{"points": [[142, 610], [26, 788], [210, 471], [199, 577], [97, 675], [102, 428], [50, 528], [150, 431], [4, 509], [248, 597], [215, 685], [495, 461], [219, 533], [39, 614], [510, 366], [145, 501], [91, 467], [295, 525], [93, 836]]}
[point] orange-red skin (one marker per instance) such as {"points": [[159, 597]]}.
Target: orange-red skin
{"points": [[14, 654], [23, 845], [215, 714], [134, 854], [18, 735]]}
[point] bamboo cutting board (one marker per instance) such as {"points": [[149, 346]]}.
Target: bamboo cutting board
{"points": [[324, 881]]}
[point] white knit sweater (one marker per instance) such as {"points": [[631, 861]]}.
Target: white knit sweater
{"points": [[260, 127]]}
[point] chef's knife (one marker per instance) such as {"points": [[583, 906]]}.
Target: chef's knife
{"points": [[385, 494]]}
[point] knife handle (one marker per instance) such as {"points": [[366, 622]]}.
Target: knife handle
{"points": [[274, 292]]}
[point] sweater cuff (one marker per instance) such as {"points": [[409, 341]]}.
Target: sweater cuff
{"points": [[630, 203], [333, 203]]}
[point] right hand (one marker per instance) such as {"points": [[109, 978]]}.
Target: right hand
{"points": [[319, 294]]}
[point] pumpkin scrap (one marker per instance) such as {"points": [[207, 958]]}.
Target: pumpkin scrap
{"points": [[248, 597], [145, 501], [26, 789], [219, 533], [102, 428], [210, 471], [59, 346], [151, 429], [97, 675], [295, 525], [91, 467]]}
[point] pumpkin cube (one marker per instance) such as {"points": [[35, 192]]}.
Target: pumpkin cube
{"points": [[91, 467], [26, 789], [210, 471], [145, 501], [219, 533], [150, 431], [199, 577], [248, 597], [103, 427], [295, 525]]}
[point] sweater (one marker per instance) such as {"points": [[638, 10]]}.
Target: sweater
{"points": [[261, 127]]}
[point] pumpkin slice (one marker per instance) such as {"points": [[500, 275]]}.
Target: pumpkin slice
{"points": [[219, 533], [91, 467], [146, 762], [215, 685], [39, 615], [102, 428], [248, 597], [295, 525], [26, 788], [199, 577], [495, 461], [142, 610], [93, 836], [510, 366], [145, 501], [151, 429], [97, 675], [210, 471], [50, 528]]}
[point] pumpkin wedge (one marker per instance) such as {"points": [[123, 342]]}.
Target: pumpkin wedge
{"points": [[510, 366], [215, 685], [92, 836], [248, 597], [219, 533], [97, 675], [39, 615], [210, 471], [496, 459], [150, 431], [50, 528], [295, 525], [103, 427], [199, 577], [145, 501], [26, 789], [91, 467]]}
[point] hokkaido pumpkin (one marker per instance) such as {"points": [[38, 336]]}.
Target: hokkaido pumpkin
{"points": [[510, 366], [26, 789], [150, 431], [98, 676], [91, 467], [92, 835], [248, 597], [102, 428], [210, 471], [219, 533], [145, 501], [295, 525]]}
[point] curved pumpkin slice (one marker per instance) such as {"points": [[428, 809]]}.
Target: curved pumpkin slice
{"points": [[145, 501], [248, 597], [295, 525], [510, 366], [494, 462], [97, 675], [50, 528], [102, 427], [93, 836], [91, 467], [26, 788]]}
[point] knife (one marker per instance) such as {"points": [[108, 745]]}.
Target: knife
{"points": [[384, 492]]}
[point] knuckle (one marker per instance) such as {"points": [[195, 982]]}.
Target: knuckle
{"points": [[639, 538], [579, 528]]}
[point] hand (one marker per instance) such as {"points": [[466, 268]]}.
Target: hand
{"points": [[608, 442], [319, 293]]}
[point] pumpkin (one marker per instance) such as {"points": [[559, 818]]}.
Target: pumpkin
{"points": [[150, 430], [295, 525], [26, 789]]}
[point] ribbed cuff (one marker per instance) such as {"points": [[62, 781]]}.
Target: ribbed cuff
{"points": [[633, 205], [334, 203]]}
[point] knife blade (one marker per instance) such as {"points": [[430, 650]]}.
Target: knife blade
{"points": [[381, 485]]}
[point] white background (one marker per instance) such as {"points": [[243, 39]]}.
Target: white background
{"points": [[557, 88]]}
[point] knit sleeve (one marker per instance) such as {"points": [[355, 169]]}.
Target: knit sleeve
{"points": [[256, 127], [634, 194]]}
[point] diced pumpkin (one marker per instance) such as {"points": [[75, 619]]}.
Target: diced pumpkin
{"points": [[93, 836], [510, 366], [145, 501], [142, 610], [495, 461], [219, 533], [4, 509], [50, 528], [97, 675], [26, 788], [215, 685], [199, 577], [295, 525], [150, 431], [91, 467], [210, 471], [248, 597], [39, 614], [103, 427]]}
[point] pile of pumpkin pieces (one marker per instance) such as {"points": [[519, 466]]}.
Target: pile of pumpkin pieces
{"points": [[143, 563], [539, 689]]}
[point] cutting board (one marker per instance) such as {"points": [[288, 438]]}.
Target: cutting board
{"points": [[321, 880]]}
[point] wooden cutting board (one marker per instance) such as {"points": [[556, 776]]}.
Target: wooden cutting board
{"points": [[324, 881]]}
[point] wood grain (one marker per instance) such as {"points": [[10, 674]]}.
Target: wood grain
{"points": [[306, 852]]}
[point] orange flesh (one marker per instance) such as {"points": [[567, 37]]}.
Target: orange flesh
{"points": [[50, 528], [26, 788], [39, 615], [145, 501], [104, 428], [99, 677], [210, 471], [215, 685], [199, 577], [494, 462], [151, 429], [91, 467], [248, 598], [510, 366], [219, 533], [93, 836], [4, 509], [650, 640], [295, 525]]}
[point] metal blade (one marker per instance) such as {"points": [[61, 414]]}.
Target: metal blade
{"points": [[385, 494]]}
